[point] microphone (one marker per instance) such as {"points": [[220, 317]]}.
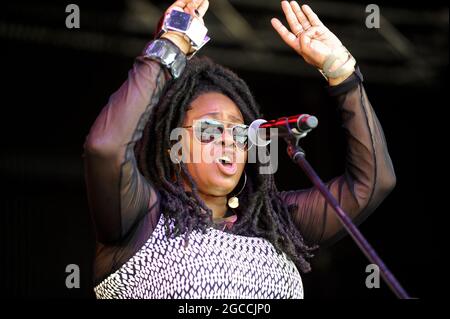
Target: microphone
{"points": [[298, 125]]}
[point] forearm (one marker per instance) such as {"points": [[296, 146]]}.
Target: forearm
{"points": [[369, 175], [112, 178], [122, 120]]}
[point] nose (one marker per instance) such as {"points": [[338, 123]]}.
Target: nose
{"points": [[227, 137]]}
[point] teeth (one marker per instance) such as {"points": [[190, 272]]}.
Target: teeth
{"points": [[224, 159]]}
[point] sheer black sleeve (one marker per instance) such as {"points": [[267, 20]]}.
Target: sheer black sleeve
{"points": [[118, 194], [368, 177]]}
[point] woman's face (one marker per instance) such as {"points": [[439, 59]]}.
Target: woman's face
{"points": [[214, 175]]}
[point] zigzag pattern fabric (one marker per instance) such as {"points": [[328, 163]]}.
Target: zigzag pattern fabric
{"points": [[214, 265]]}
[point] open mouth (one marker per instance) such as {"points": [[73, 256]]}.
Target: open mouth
{"points": [[226, 166]]}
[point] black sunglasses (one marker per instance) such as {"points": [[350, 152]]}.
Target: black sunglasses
{"points": [[209, 130]]}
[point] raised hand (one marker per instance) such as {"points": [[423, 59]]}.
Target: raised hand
{"points": [[307, 35], [196, 8]]}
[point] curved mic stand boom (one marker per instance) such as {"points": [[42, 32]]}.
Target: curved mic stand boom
{"points": [[297, 154]]}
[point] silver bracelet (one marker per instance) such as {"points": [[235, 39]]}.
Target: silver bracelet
{"points": [[345, 68], [168, 54]]}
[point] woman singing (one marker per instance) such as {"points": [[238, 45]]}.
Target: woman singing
{"points": [[168, 227]]}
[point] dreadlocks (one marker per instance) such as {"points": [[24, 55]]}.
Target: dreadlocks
{"points": [[262, 212]]}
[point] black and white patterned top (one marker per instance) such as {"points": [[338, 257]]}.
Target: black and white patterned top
{"points": [[216, 264]]}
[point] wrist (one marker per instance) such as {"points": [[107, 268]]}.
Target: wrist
{"points": [[167, 54], [185, 31], [338, 66], [339, 80], [179, 40]]}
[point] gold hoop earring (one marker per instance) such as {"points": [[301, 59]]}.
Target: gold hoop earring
{"points": [[233, 202]]}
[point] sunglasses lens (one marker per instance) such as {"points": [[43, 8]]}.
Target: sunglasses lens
{"points": [[240, 136], [209, 131]]}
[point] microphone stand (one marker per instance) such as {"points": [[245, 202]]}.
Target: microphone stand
{"points": [[297, 154]]}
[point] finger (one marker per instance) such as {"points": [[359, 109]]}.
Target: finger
{"points": [[192, 8], [193, 4], [291, 17], [203, 7], [300, 15], [178, 3], [312, 17], [285, 34], [193, 11]]}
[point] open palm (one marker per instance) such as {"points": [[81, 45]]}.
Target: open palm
{"points": [[308, 36]]}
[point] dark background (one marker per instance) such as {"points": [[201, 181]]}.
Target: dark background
{"points": [[56, 80]]}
